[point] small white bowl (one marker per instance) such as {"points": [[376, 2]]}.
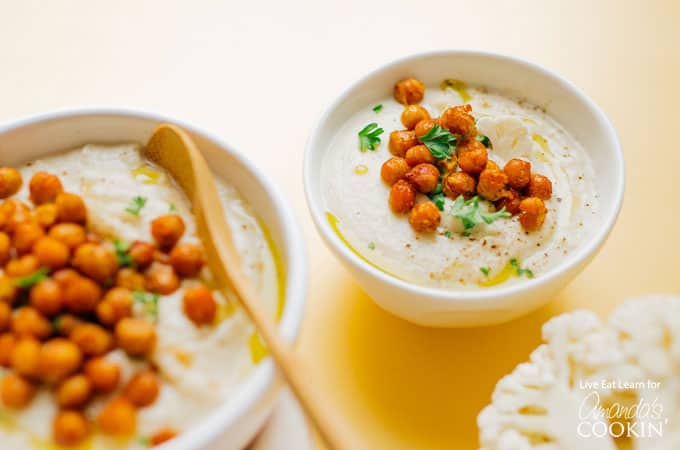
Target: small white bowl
{"points": [[235, 422], [563, 101]]}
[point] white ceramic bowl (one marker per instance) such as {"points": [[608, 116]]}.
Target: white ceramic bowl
{"points": [[563, 101], [235, 422]]}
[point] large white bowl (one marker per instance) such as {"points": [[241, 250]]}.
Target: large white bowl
{"points": [[235, 422], [562, 100]]}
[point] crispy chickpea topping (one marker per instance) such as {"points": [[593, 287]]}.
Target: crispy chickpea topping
{"points": [[118, 418], [412, 115], [97, 261], [540, 186], [459, 183], [400, 141], [409, 91], [70, 234], [69, 428], [71, 208], [167, 230], [59, 358], [22, 266], [459, 121], [129, 278], [532, 213], [102, 374], [419, 154], [74, 391], [8, 290], [162, 279], [117, 304], [7, 342], [13, 212], [5, 316], [510, 201], [424, 126], [199, 305], [25, 235], [91, 339], [142, 389], [44, 188], [51, 252], [402, 197], [425, 217], [518, 172], [142, 253], [187, 259], [16, 391], [136, 336], [25, 358], [394, 169], [423, 177], [27, 321], [46, 215], [81, 294], [162, 436], [10, 181], [472, 157], [492, 184], [46, 297]]}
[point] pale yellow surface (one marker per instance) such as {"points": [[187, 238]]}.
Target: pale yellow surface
{"points": [[260, 73]]}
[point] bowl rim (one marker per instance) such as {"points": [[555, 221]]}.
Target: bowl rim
{"points": [[491, 297], [252, 389]]}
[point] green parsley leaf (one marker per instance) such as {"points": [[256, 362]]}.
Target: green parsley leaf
{"points": [[171, 207], [484, 140], [124, 260], [438, 199], [149, 301], [471, 214], [144, 441], [369, 137], [520, 272], [447, 233], [440, 142], [377, 108], [371, 245], [34, 278], [485, 270], [136, 205]]}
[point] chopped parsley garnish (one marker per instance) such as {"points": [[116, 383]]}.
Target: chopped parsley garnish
{"points": [[171, 207], [34, 278], [136, 205], [471, 214], [520, 272], [371, 245], [484, 140], [485, 270], [124, 260], [149, 301], [447, 233], [144, 441], [438, 199], [369, 137], [440, 142], [378, 108]]}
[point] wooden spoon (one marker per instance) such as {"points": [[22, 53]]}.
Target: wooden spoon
{"points": [[171, 148]]}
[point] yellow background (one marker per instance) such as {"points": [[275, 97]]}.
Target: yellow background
{"points": [[260, 73]]}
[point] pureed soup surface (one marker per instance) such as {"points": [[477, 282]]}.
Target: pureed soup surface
{"points": [[451, 257], [199, 366]]}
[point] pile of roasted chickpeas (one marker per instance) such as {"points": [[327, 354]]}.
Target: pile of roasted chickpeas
{"points": [[468, 172], [66, 300]]}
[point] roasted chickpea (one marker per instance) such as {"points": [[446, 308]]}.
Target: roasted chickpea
{"points": [[424, 177], [5, 316], [81, 294], [51, 252], [23, 266], [10, 181], [66, 323], [25, 359], [419, 154], [492, 184], [472, 157], [518, 172], [458, 120], [136, 336], [532, 213], [14, 212], [117, 303], [46, 297], [102, 374], [425, 217], [5, 248], [16, 391], [59, 358], [394, 169], [142, 389], [28, 322], [540, 186], [46, 215], [97, 261], [161, 279], [167, 230], [69, 428], [74, 391], [71, 208], [187, 259], [413, 114], [70, 234], [91, 339], [142, 254], [200, 305], [129, 278], [402, 197], [424, 126], [44, 187], [162, 435], [400, 141], [161, 257], [449, 165], [25, 235], [409, 91], [118, 418], [7, 343], [8, 290], [491, 165], [510, 201], [459, 183]]}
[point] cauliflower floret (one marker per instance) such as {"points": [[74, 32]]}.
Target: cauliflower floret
{"points": [[589, 375]]}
